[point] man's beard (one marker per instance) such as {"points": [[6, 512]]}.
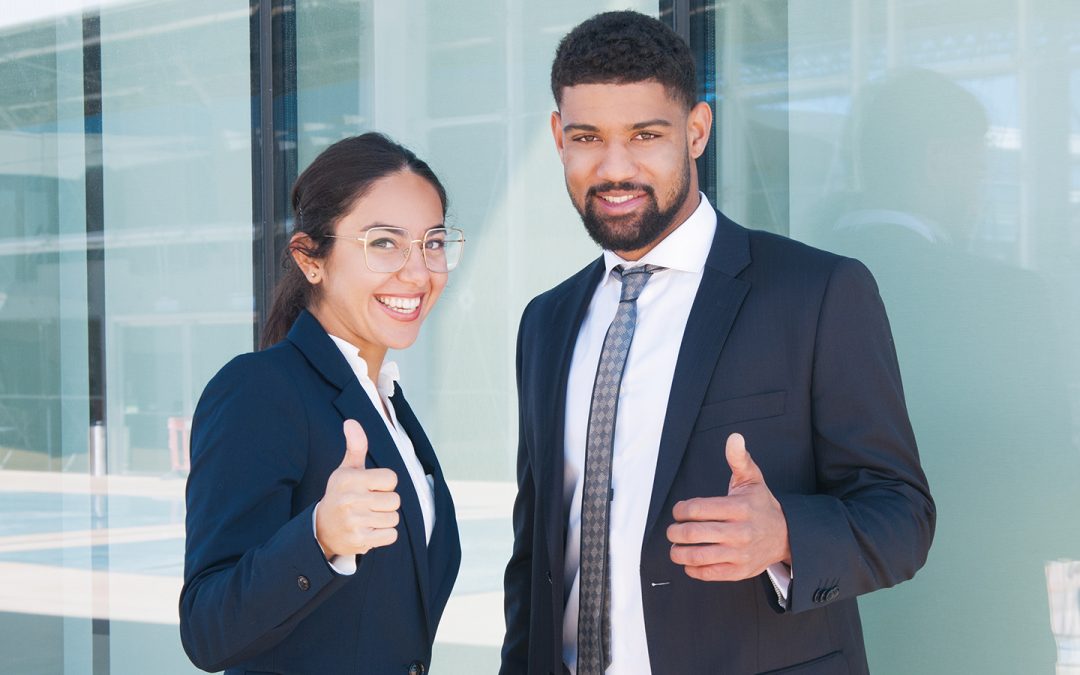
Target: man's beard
{"points": [[634, 231]]}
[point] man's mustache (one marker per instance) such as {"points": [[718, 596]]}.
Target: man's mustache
{"points": [[625, 187]]}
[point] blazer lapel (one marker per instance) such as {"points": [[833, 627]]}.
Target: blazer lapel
{"points": [[558, 350], [444, 550], [711, 316], [353, 403]]}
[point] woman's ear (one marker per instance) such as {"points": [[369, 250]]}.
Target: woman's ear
{"points": [[312, 268]]}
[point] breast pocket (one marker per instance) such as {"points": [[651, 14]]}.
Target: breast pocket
{"points": [[830, 664], [742, 409]]}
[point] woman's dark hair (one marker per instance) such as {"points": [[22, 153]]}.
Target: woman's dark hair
{"points": [[624, 48], [324, 193]]}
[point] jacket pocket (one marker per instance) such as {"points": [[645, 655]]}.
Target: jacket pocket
{"points": [[830, 664], [742, 409]]}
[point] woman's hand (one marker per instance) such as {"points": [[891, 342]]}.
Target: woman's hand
{"points": [[359, 511]]}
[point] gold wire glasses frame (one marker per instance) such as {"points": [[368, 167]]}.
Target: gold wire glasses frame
{"points": [[387, 249]]}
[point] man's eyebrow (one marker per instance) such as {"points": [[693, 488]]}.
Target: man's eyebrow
{"points": [[580, 127], [658, 122]]}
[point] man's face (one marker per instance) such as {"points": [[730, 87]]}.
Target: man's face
{"points": [[627, 152]]}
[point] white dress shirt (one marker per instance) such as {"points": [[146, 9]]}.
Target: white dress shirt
{"points": [[662, 310], [381, 396]]}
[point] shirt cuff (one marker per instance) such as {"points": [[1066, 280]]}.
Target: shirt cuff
{"points": [[780, 576], [344, 565]]}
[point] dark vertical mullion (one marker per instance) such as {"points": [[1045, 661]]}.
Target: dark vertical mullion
{"points": [[95, 296], [273, 143], [701, 26], [695, 22], [95, 214]]}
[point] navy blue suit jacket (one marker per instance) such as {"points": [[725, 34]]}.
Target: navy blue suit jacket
{"points": [[258, 594], [789, 346]]}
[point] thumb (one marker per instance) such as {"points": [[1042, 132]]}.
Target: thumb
{"points": [[743, 468], [355, 445]]}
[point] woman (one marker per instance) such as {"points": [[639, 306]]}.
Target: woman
{"points": [[321, 537]]}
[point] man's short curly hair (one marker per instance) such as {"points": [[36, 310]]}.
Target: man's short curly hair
{"points": [[623, 48]]}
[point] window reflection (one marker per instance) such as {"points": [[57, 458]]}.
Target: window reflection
{"points": [[935, 141]]}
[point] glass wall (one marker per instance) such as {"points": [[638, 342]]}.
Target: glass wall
{"points": [[939, 142], [125, 283]]}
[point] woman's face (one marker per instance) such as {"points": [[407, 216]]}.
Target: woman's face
{"points": [[379, 311]]}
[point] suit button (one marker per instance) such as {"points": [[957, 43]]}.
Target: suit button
{"points": [[302, 583], [833, 593], [417, 668]]}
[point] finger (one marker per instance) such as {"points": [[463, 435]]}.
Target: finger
{"points": [[743, 468], [383, 502], [355, 445], [380, 480], [378, 520], [703, 554], [696, 533], [381, 537], [719, 572], [709, 509]]}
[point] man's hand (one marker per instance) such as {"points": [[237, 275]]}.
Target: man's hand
{"points": [[734, 537], [359, 511]]}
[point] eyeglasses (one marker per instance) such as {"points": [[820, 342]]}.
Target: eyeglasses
{"points": [[387, 249]]}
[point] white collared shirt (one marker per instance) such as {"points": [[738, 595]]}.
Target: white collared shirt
{"points": [[381, 397], [662, 311]]}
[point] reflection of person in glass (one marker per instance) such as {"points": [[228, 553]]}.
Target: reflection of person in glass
{"points": [[321, 537], [983, 378], [715, 459]]}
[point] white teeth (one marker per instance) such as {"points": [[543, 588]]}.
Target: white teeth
{"points": [[619, 200], [403, 305]]}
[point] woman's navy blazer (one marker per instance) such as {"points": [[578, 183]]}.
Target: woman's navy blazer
{"points": [[258, 596]]}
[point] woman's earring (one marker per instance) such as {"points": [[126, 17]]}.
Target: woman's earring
{"points": [[312, 275]]}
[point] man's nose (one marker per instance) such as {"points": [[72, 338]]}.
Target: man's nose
{"points": [[617, 164]]}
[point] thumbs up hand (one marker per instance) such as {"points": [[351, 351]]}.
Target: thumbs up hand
{"points": [[359, 510], [733, 537]]}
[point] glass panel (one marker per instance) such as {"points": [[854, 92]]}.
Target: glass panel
{"points": [[176, 157], [43, 364], [162, 179], [937, 142], [465, 85]]}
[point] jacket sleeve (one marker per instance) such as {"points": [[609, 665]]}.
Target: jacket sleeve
{"points": [[870, 524], [517, 581], [252, 568]]}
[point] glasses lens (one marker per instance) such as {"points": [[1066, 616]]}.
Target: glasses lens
{"points": [[442, 248], [386, 248]]}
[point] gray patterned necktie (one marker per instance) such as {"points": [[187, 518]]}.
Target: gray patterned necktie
{"points": [[594, 584]]}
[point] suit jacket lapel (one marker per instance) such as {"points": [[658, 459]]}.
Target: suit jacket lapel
{"points": [[715, 306], [353, 403], [569, 312], [444, 550]]}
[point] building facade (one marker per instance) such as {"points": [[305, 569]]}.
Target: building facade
{"points": [[147, 148]]}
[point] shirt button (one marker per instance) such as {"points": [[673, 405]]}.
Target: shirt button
{"points": [[302, 583]]}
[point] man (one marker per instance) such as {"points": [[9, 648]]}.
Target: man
{"points": [[647, 537]]}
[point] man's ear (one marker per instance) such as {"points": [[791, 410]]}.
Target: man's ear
{"points": [[698, 128], [299, 244], [557, 131]]}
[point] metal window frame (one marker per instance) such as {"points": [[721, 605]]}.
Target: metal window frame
{"points": [[273, 145]]}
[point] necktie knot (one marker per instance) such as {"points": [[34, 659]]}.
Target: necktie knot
{"points": [[634, 280]]}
